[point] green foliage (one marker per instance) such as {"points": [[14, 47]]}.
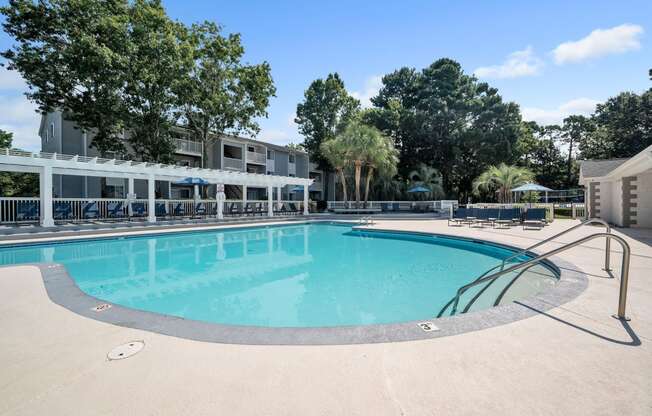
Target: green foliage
{"points": [[16, 183], [73, 54], [325, 111], [221, 94], [428, 177], [501, 180], [445, 118]]}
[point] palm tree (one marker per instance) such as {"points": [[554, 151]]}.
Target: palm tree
{"points": [[428, 177], [502, 179], [336, 151], [380, 156]]}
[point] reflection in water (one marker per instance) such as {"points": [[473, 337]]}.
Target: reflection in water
{"points": [[299, 275]]}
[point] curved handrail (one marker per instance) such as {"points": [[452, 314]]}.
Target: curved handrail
{"points": [[624, 278], [607, 254]]}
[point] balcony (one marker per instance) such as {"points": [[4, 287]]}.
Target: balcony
{"points": [[233, 164], [271, 165], [258, 158], [189, 147]]}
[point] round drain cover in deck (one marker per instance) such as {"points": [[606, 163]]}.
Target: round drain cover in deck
{"points": [[126, 350]]}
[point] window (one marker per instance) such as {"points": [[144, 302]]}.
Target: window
{"points": [[250, 149], [51, 130], [270, 155], [291, 158]]}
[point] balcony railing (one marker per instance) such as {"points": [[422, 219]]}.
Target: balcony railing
{"points": [[234, 164], [259, 158], [189, 147]]}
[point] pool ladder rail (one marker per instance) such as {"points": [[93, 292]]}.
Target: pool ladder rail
{"points": [[368, 220], [489, 279]]}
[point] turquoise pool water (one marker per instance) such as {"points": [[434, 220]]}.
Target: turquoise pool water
{"points": [[303, 275]]}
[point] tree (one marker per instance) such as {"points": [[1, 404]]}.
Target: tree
{"points": [[380, 156], [73, 56], [221, 94], [336, 152], [428, 177], [445, 118], [16, 183], [575, 129], [502, 179], [160, 55], [325, 111]]}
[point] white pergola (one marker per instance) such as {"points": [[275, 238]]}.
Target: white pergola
{"points": [[48, 164]]}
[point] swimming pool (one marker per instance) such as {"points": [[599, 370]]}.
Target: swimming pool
{"points": [[300, 275]]}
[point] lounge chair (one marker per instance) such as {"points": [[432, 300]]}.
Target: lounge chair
{"points": [[249, 209], [91, 211], [505, 217], [480, 217], [534, 218], [62, 211], [200, 209], [491, 216], [293, 208], [27, 211], [179, 209], [459, 216], [161, 209], [115, 210], [236, 209], [385, 207], [138, 210], [260, 210]]}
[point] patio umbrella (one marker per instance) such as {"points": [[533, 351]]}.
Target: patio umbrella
{"points": [[297, 189], [532, 187], [418, 189], [193, 181]]}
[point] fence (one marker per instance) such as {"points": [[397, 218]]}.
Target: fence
{"points": [[575, 210], [12, 209], [394, 205]]}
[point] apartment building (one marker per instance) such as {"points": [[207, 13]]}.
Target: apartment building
{"points": [[60, 135]]}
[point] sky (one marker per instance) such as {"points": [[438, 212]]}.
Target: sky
{"points": [[553, 58]]}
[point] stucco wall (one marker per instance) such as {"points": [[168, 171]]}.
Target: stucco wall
{"points": [[644, 200]]}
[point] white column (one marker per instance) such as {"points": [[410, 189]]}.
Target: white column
{"points": [[130, 194], [220, 197], [45, 187], [278, 197], [151, 199], [196, 193], [270, 201], [244, 196], [305, 199]]}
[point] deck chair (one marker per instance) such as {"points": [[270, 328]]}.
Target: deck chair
{"points": [[138, 210], [481, 217], [200, 209], [293, 208], [505, 218], [62, 211], [161, 209], [90, 211], [534, 218], [459, 217], [27, 211], [179, 209], [115, 210]]}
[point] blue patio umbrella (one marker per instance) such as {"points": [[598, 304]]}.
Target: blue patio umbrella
{"points": [[192, 181], [418, 189], [297, 189], [532, 187]]}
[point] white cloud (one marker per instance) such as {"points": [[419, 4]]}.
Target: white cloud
{"points": [[518, 64], [578, 106], [599, 43], [371, 87], [11, 80], [275, 136]]}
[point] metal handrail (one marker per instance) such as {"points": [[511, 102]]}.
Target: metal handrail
{"points": [[624, 278], [607, 254], [542, 242]]}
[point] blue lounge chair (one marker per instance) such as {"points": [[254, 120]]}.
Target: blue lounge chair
{"points": [[480, 217], [459, 216], [62, 211], [534, 218], [179, 209], [506, 217], [293, 208], [27, 211], [90, 211], [200, 209], [138, 210], [161, 209], [115, 210]]}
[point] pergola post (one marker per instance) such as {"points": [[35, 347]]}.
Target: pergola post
{"points": [[45, 188], [279, 193], [270, 201], [305, 200], [220, 197], [244, 196], [130, 194], [151, 199]]}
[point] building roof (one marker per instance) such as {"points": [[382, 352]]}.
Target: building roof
{"points": [[599, 168]]}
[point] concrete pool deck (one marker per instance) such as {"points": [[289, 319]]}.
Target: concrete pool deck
{"points": [[573, 359]]}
